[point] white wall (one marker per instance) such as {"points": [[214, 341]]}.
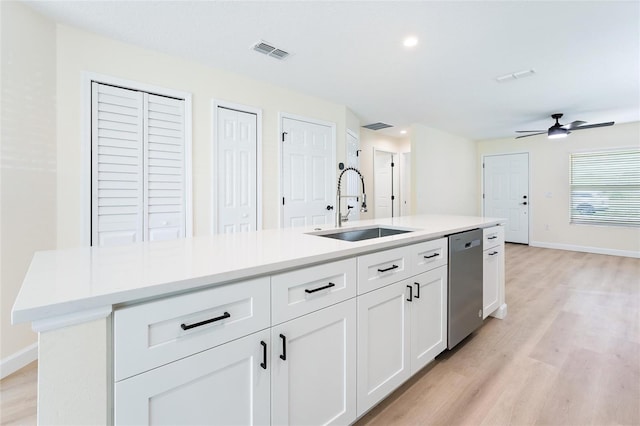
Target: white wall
{"points": [[370, 140], [550, 193], [42, 144], [82, 51], [27, 178], [444, 172]]}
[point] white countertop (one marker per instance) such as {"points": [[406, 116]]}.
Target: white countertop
{"points": [[62, 282]]}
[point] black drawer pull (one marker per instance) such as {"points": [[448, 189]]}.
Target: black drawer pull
{"points": [[410, 299], [263, 364], [391, 268], [320, 288], [432, 256], [493, 253], [198, 324], [284, 348], [417, 290], [492, 238]]}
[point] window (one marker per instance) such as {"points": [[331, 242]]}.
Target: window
{"points": [[139, 167], [605, 188]]}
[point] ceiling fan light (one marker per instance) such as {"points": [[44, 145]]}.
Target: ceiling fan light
{"points": [[557, 136], [557, 132]]}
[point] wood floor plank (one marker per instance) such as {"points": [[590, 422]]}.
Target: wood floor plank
{"points": [[18, 397]]}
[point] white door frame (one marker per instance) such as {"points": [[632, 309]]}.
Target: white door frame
{"points": [[215, 103], [281, 116], [85, 145], [482, 192]]}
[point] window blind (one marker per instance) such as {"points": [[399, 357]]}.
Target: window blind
{"points": [[605, 188]]}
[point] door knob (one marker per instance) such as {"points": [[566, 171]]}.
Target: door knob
{"points": [[524, 204], [329, 207]]}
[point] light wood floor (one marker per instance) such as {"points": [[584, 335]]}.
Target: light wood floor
{"points": [[568, 353], [18, 397]]}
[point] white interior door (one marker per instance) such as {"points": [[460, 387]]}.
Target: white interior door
{"points": [[405, 184], [351, 181], [236, 176], [506, 193], [385, 183], [308, 174]]}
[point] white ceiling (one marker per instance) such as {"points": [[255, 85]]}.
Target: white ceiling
{"points": [[586, 54]]}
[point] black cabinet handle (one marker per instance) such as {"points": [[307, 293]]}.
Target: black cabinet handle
{"points": [[417, 290], [329, 207], [492, 238], [410, 299], [432, 256], [320, 288], [493, 253], [263, 364], [389, 269], [284, 348], [209, 321]]}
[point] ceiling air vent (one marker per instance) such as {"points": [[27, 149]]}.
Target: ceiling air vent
{"points": [[270, 50], [377, 126]]}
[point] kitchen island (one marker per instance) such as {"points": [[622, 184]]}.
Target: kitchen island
{"points": [[127, 320]]}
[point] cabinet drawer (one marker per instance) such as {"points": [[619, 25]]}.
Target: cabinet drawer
{"points": [[306, 290], [492, 237], [376, 270], [155, 333], [428, 255]]}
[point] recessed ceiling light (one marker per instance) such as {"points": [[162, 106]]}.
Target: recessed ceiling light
{"points": [[410, 42], [403, 132]]}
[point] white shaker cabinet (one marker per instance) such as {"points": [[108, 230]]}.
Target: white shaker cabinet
{"points": [[493, 269], [225, 385], [401, 328], [428, 317], [313, 361], [383, 343]]}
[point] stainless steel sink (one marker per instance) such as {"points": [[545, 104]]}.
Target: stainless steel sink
{"points": [[363, 234]]}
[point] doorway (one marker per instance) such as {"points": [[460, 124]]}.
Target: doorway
{"points": [[506, 193], [385, 184], [308, 176], [405, 184]]}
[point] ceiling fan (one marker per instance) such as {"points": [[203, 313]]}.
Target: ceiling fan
{"points": [[562, 130]]}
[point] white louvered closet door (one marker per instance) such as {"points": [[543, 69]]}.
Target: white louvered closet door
{"points": [[138, 166], [117, 165], [164, 168]]}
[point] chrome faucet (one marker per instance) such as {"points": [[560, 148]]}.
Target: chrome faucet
{"points": [[363, 209]]}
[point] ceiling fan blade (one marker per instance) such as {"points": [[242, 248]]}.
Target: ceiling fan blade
{"points": [[533, 134], [573, 125], [529, 131], [591, 126]]}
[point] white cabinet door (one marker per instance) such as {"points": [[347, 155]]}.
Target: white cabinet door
{"points": [[428, 317], [493, 267], [226, 385], [313, 368], [383, 343]]}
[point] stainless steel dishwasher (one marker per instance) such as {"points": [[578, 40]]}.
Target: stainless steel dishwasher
{"points": [[465, 285]]}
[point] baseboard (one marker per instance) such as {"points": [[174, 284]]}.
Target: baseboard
{"points": [[16, 361], [586, 249]]}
